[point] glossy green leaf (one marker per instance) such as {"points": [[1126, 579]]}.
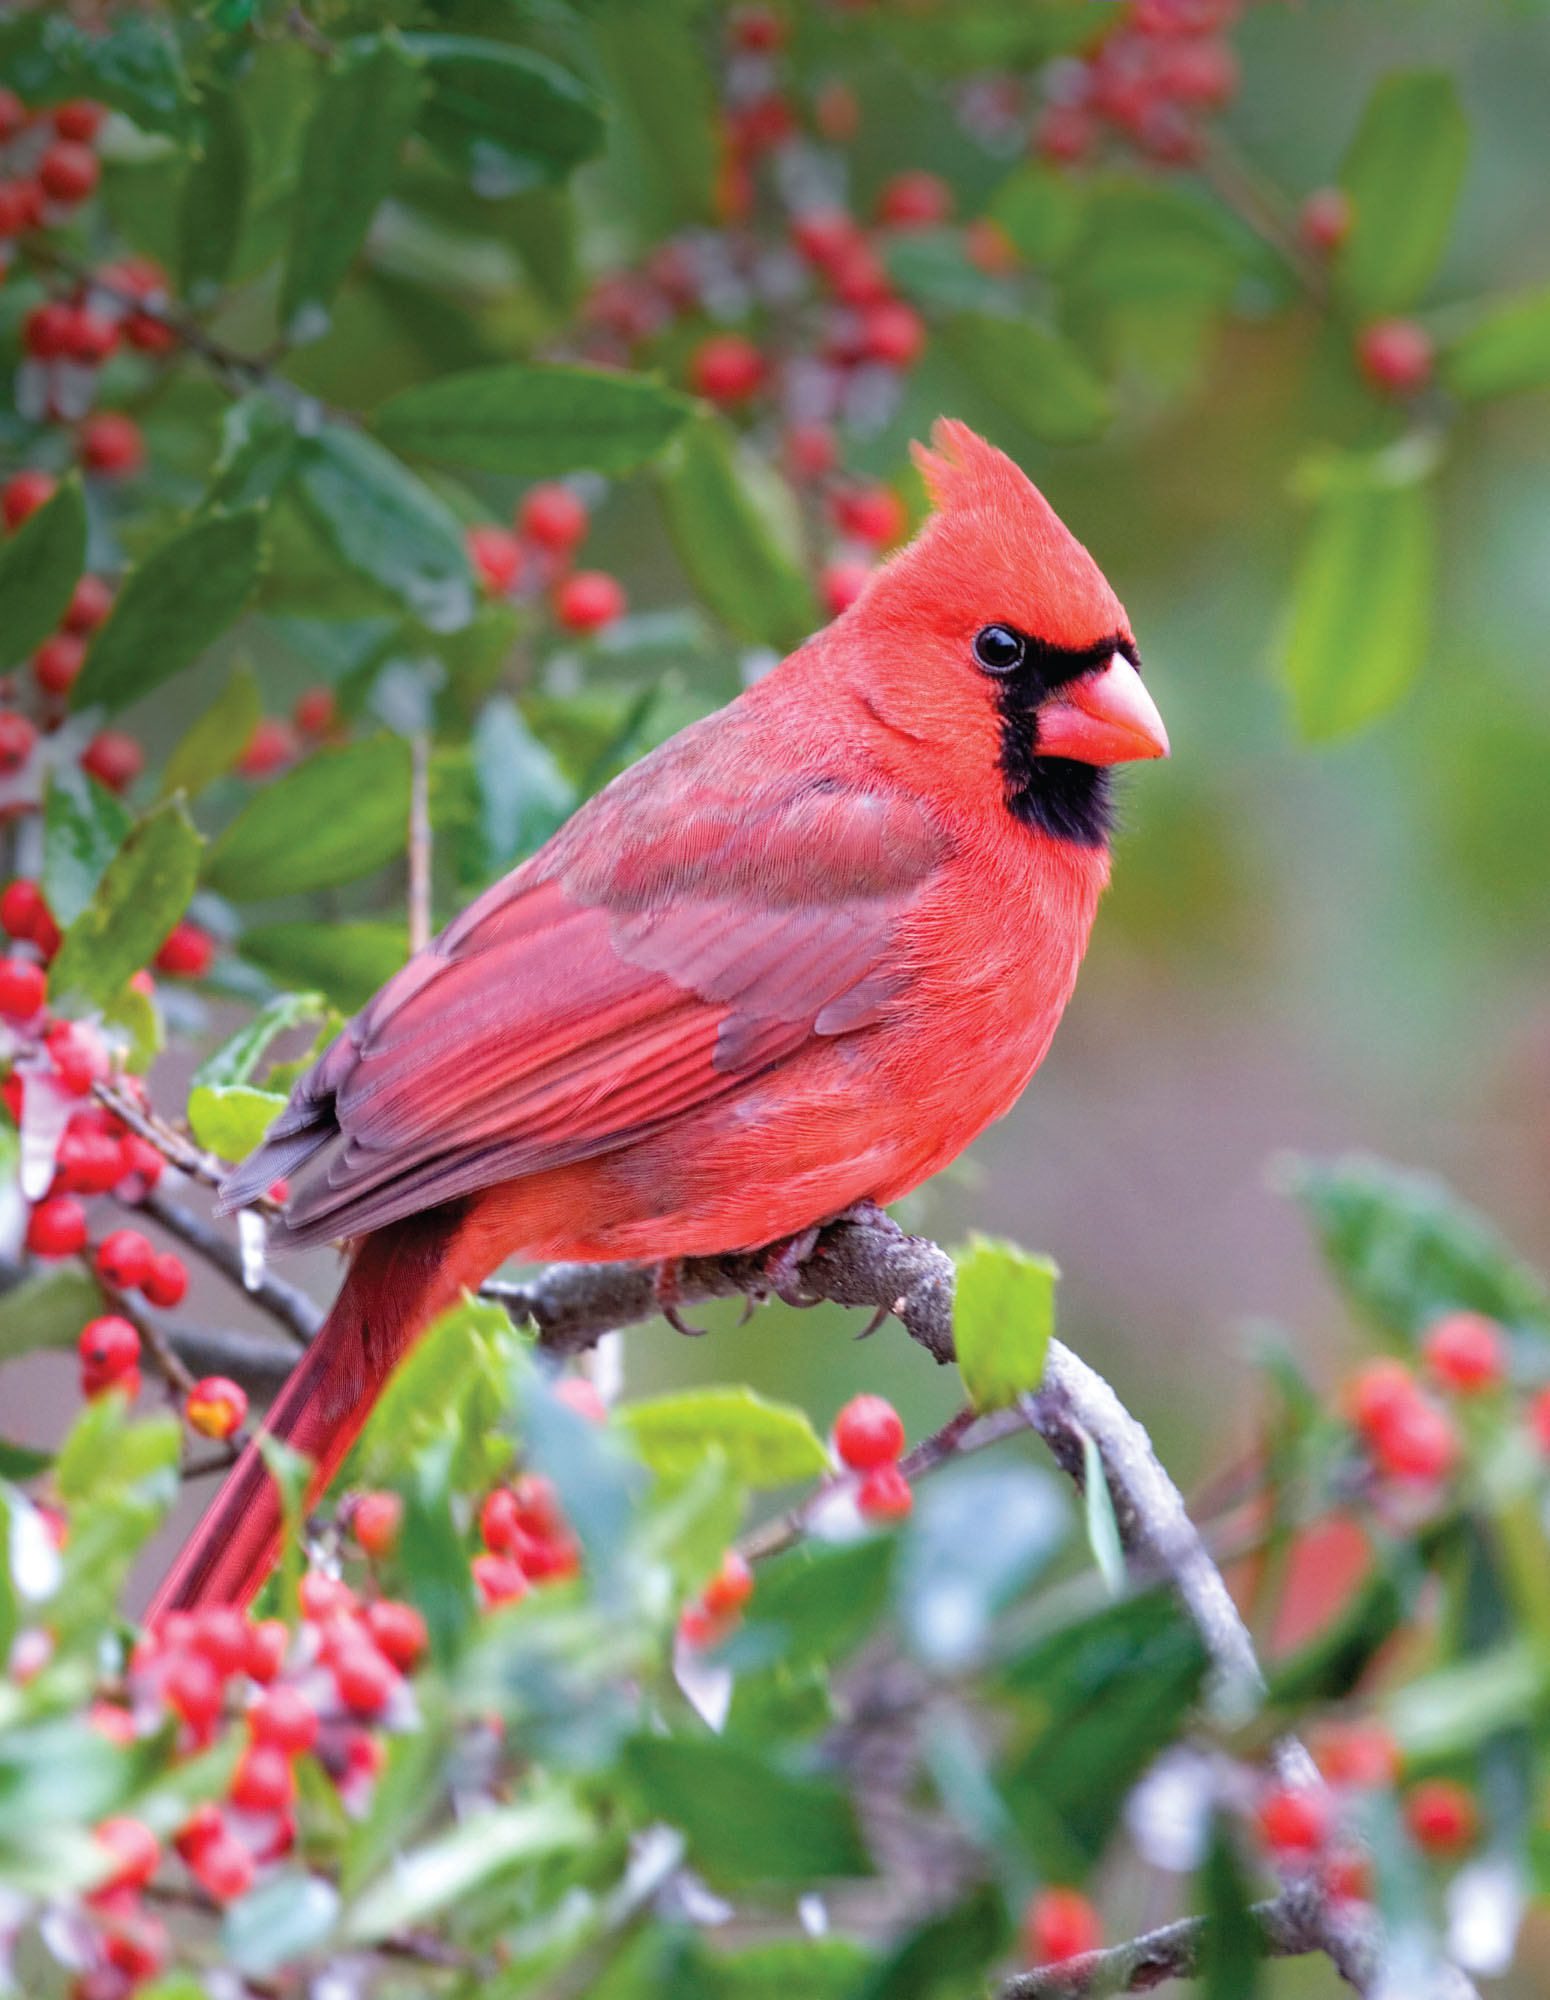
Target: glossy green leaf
{"points": [[22, 1461], [179, 600], [1402, 174], [133, 63], [1034, 375], [365, 111], [536, 421], [237, 1060], [230, 1119], [523, 793], [1405, 1249], [286, 1917], [665, 109], [735, 536], [334, 818], [213, 741], [945, 1958], [818, 1604], [766, 1444], [483, 1845], [347, 961], [386, 524], [1359, 622], [746, 1819], [47, 1310], [508, 117], [1457, 1708], [1003, 1318], [258, 449], [213, 208], [39, 566], [1232, 1955], [977, 1536], [1506, 350], [141, 896], [84, 826]]}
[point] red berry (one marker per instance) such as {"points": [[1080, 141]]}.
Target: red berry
{"points": [[223, 1867], [17, 738], [726, 368], [1466, 1352], [114, 759], [13, 114], [399, 1631], [56, 1227], [730, 1588], [219, 1634], [1442, 1816], [22, 987], [893, 333], [1293, 1821], [498, 1520], [268, 1643], [1539, 1419], [988, 247], [47, 331], [263, 1780], [78, 119], [873, 514], [1346, 1876], [203, 1824], [884, 1495], [860, 278], [139, 1156], [90, 603], [1417, 1441], [68, 171], [79, 1055], [1376, 1391], [124, 1257], [57, 662], [498, 1580], [188, 953], [1359, 1754], [365, 1679], [1326, 218], [24, 493], [699, 1627], [216, 1407], [1396, 355], [150, 334], [582, 1396], [758, 29], [826, 235], [810, 451], [842, 583], [868, 1433], [108, 1346], [88, 1162], [496, 555], [552, 516], [285, 1720], [92, 338], [25, 915], [316, 711], [324, 1597], [375, 1521], [1201, 70], [135, 1850], [589, 600], [1064, 134], [915, 200], [110, 443], [1059, 1924], [166, 1282], [271, 746], [192, 1688]]}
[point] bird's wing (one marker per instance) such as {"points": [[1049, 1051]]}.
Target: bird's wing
{"points": [[658, 954]]}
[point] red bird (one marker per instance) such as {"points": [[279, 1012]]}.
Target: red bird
{"points": [[798, 956]]}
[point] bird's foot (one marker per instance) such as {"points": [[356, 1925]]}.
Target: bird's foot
{"points": [[667, 1290], [782, 1267]]}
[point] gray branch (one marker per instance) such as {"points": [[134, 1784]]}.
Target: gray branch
{"points": [[301, 1315]]}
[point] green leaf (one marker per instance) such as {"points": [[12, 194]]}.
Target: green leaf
{"points": [[22, 1461], [1459, 1707], [818, 1604], [453, 1867], [387, 525], [174, 604], [946, 1958], [976, 1538], [213, 208], [508, 117], [524, 795], [230, 1119], [735, 538], [47, 1310], [39, 566], [334, 818], [746, 1820], [135, 65], [1042, 211], [237, 1060], [1402, 174], [1507, 349], [1405, 1249], [107, 1451], [1232, 1955], [213, 742], [347, 961], [1360, 616], [766, 1444], [665, 131], [143, 893], [287, 1917], [536, 422], [1034, 375], [1103, 1536], [258, 450], [1003, 1318], [827, 1968], [84, 826], [364, 113]]}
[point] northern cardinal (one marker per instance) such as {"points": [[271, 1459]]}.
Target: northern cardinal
{"points": [[798, 956]]}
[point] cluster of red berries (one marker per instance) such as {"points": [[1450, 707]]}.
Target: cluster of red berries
{"points": [[550, 524], [1397, 356], [48, 164], [277, 740], [1410, 1434], [1151, 83], [869, 1439], [527, 1541]]}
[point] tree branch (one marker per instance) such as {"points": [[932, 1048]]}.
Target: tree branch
{"points": [[295, 1311]]}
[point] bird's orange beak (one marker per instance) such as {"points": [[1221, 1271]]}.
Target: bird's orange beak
{"points": [[1106, 717]]}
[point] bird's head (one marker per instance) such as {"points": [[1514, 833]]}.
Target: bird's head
{"points": [[1004, 648]]}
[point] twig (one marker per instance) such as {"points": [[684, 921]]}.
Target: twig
{"points": [[178, 1151], [292, 1307], [419, 841], [1252, 198]]}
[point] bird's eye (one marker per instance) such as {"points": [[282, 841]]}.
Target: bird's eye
{"points": [[999, 649]]}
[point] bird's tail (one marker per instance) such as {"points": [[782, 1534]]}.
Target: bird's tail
{"points": [[399, 1280]]}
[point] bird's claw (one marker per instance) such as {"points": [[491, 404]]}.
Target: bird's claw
{"points": [[667, 1290]]}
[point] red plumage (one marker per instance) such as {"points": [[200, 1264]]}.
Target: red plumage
{"points": [[798, 956]]}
